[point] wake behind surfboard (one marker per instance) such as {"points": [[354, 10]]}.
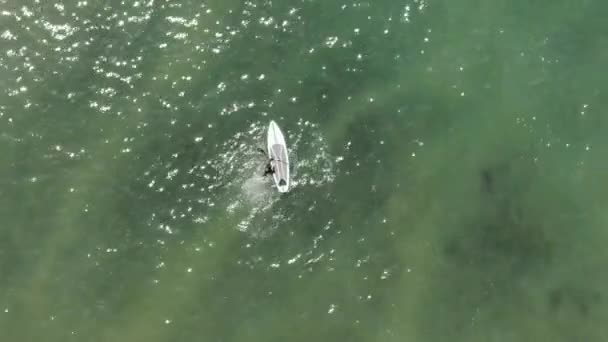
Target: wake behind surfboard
{"points": [[279, 159]]}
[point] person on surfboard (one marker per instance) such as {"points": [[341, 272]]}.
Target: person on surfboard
{"points": [[269, 169]]}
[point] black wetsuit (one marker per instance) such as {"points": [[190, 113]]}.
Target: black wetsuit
{"points": [[269, 169]]}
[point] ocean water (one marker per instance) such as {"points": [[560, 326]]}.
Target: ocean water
{"points": [[449, 170]]}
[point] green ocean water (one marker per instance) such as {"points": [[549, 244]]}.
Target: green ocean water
{"points": [[449, 170]]}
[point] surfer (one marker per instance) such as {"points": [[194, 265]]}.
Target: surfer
{"points": [[269, 169]]}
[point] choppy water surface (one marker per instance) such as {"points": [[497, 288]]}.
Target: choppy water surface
{"points": [[449, 162]]}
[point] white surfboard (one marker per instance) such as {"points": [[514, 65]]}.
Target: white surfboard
{"points": [[277, 152]]}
